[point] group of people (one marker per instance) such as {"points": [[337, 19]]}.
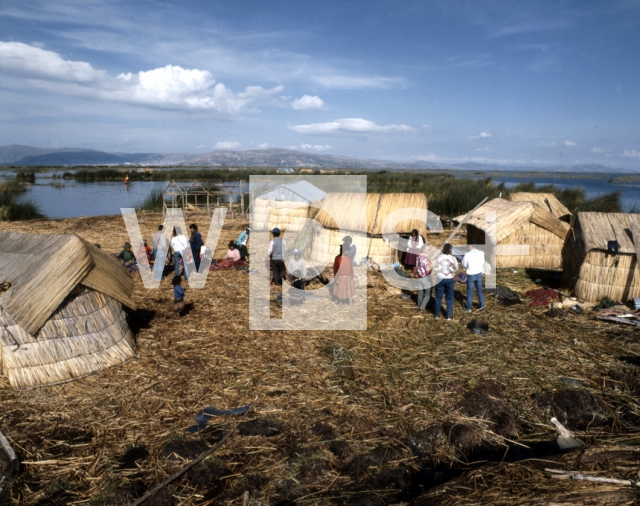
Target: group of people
{"points": [[445, 266], [343, 285]]}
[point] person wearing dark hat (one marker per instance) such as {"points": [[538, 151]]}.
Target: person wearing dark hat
{"points": [[241, 243], [349, 249], [195, 241], [277, 252]]}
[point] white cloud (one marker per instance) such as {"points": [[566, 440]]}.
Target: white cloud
{"points": [[350, 125], [346, 82], [481, 135], [570, 143], [264, 145], [307, 103], [227, 145], [165, 87], [597, 150], [631, 153], [477, 159], [315, 147], [31, 62], [485, 150]]}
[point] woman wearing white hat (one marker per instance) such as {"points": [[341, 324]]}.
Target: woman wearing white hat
{"points": [[297, 263]]}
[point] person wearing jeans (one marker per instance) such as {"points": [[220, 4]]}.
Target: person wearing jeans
{"points": [[444, 287], [473, 261], [446, 265]]}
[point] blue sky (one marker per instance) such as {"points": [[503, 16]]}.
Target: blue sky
{"points": [[524, 83]]}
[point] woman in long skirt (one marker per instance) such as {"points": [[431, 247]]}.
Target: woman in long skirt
{"points": [[344, 288]]}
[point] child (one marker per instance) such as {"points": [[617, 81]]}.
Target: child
{"points": [[178, 295], [126, 255], [296, 292]]}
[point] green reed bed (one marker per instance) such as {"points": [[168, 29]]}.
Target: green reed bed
{"points": [[12, 209]]}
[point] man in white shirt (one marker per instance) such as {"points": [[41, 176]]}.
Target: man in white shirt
{"points": [[180, 245], [474, 261]]}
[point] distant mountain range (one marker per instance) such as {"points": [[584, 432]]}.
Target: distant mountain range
{"points": [[17, 155]]}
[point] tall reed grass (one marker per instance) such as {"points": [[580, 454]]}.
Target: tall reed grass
{"points": [[12, 209], [153, 201]]}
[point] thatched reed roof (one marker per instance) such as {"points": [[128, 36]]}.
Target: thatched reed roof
{"points": [[302, 190], [597, 229], [511, 216], [43, 269], [378, 207], [547, 201]]}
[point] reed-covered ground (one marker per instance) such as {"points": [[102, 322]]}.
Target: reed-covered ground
{"points": [[370, 417]]}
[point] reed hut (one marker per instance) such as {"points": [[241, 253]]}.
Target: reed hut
{"points": [[520, 223], [366, 231], [546, 201], [282, 205], [61, 313], [601, 255]]}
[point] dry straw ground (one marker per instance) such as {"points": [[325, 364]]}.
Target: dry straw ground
{"points": [[369, 417]]}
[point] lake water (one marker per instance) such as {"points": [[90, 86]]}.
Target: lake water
{"points": [[60, 198], [593, 184]]}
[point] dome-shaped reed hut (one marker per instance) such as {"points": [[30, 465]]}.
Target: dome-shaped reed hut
{"points": [[61, 313], [601, 255], [282, 205], [520, 223], [547, 201], [366, 229]]}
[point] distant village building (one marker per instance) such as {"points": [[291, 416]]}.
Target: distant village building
{"points": [[285, 171]]}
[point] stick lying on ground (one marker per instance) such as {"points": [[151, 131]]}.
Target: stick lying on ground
{"points": [[574, 475], [179, 473]]}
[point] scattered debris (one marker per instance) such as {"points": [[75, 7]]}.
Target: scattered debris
{"points": [[9, 468], [506, 296], [605, 303], [566, 440], [478, 326], [556, 313], [620, 319], [205, 414]]}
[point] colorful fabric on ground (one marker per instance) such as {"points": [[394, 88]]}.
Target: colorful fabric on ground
{"points": [[541, 297], [228, 265]]}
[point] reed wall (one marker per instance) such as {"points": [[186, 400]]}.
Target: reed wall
{"points": [[87, 333], [268, 214]]}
